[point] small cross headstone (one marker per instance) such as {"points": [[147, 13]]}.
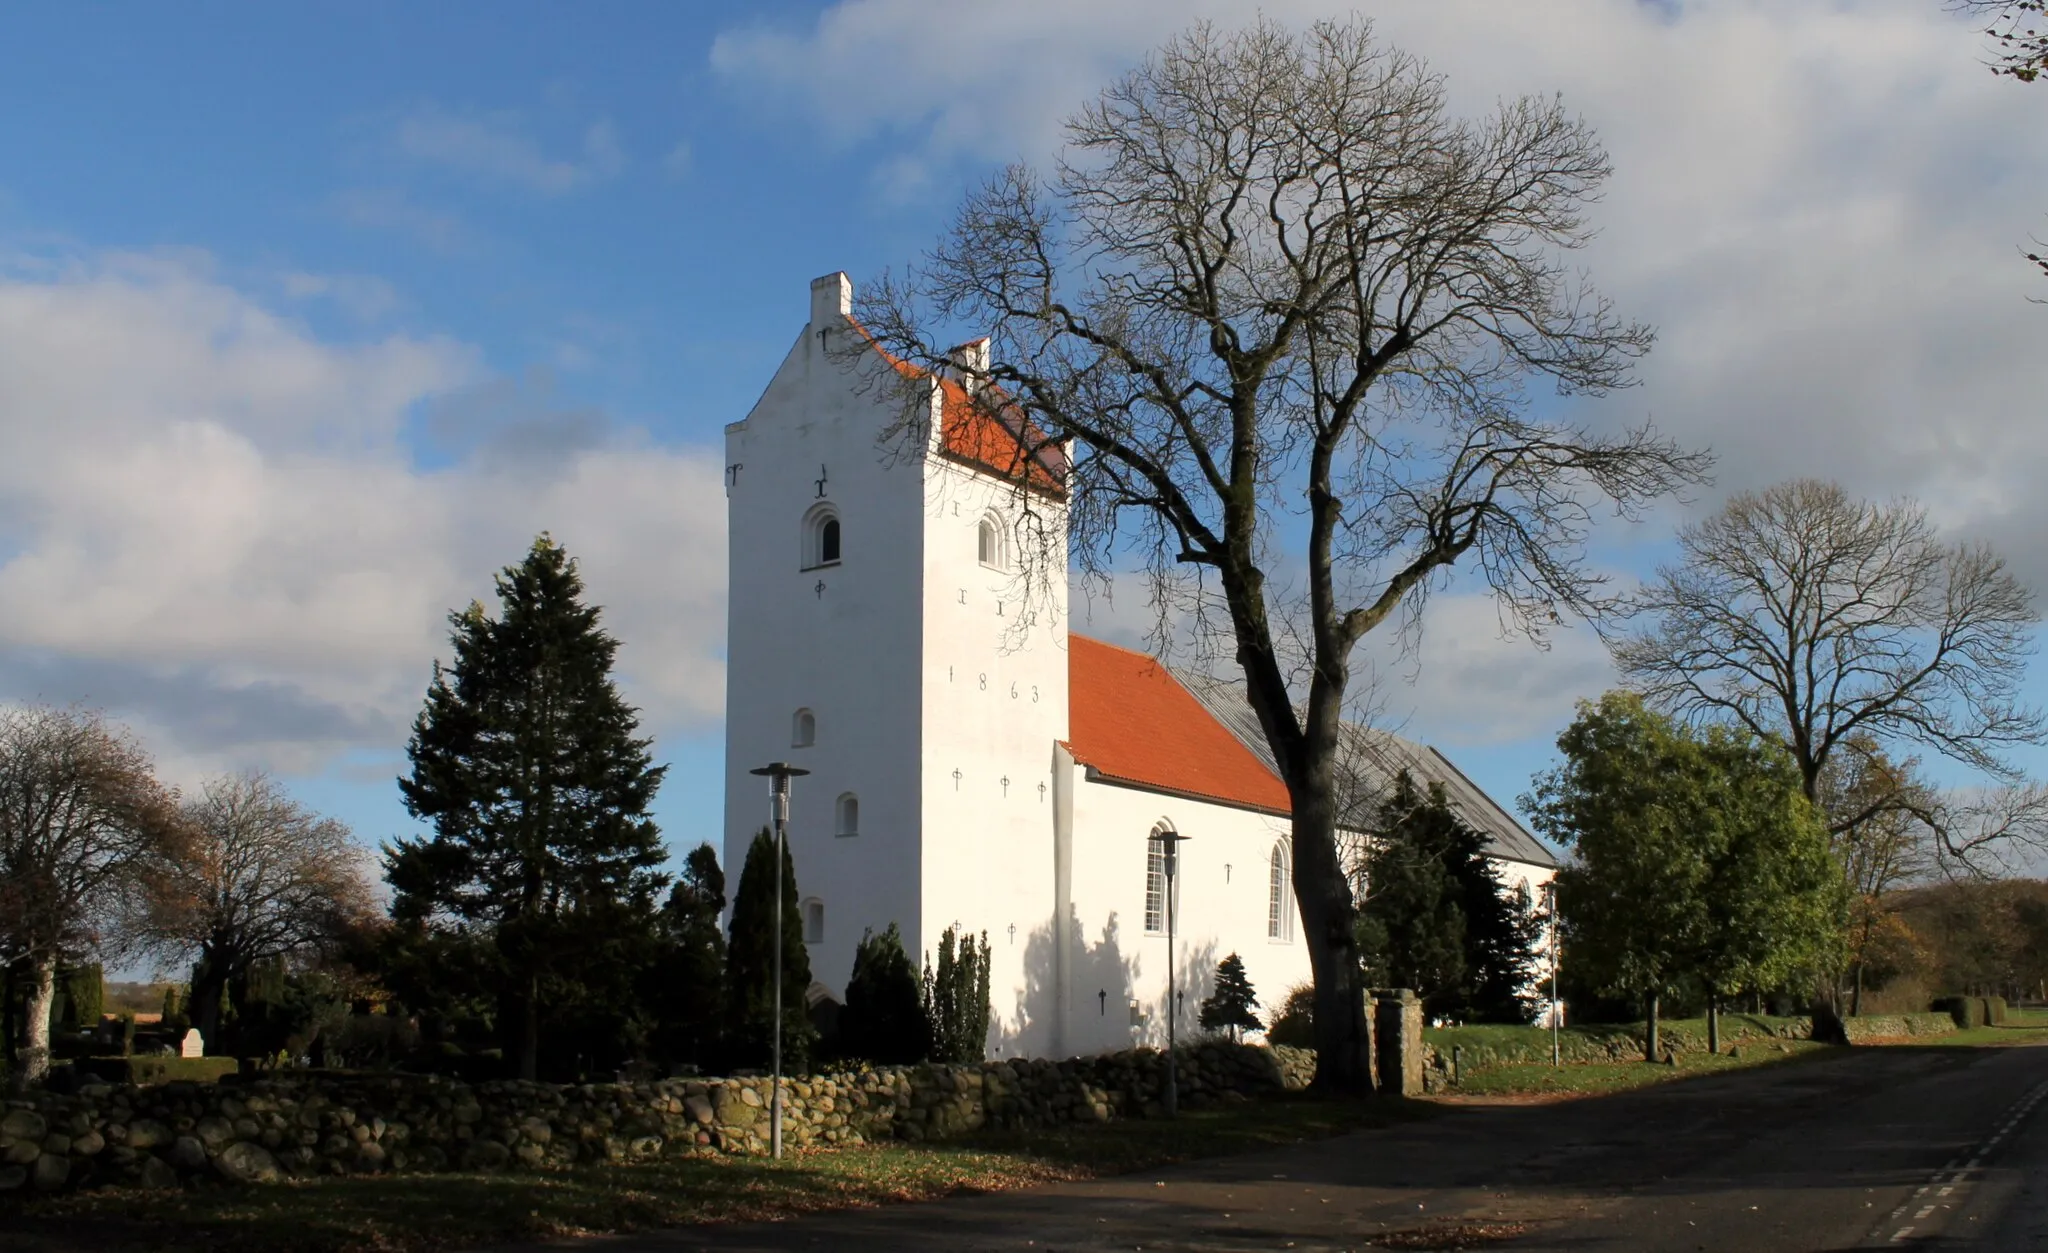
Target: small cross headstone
{"points": [[194, 1044]]}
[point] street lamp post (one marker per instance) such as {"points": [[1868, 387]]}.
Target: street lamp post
{"points": [[779, 774], [1172, 841]]}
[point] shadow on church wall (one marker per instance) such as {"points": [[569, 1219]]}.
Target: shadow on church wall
{"points": [[1106, 987], [1099, 1016]]}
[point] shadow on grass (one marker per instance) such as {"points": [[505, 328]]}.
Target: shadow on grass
{"points": [[427, 1212]]}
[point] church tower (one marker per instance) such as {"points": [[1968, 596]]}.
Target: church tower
{"points": [[897, 626]]}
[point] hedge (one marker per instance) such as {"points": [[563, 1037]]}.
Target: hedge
{"points": [[149, 1069]]}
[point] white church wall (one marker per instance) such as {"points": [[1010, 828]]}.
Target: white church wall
{"points": [[1223, 900], [841, 640], [995, 702]]}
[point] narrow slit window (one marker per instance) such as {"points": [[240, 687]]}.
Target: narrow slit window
{"points": [[804, 731], [847, 821], [1155, 885], [1279, 919], [814, 921]]}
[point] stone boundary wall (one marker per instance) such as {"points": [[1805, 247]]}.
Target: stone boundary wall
{"points": [[1895, 1026], [257, 1128]]}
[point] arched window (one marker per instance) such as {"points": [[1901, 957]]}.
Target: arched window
{"points": [[803, 731], [814, 921], [988, 543], [821, 537], [1279, 918], [1156, 883], [846, 815]]}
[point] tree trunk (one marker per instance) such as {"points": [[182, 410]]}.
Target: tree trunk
{"points": [[1343, 1045], [33, 1059], [1713, 1023], [1651, 1051], [1856, 997], [203, 1007], [529, 1035]]}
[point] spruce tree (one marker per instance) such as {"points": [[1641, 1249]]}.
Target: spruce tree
{"points": [[1435, 917], [750, 964], [1230, 1007], [884, 1020], [525, 760]]}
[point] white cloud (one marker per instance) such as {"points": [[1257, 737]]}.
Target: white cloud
{"points": [[364, 297], [496, 147], [390, 209], [211, 524]]}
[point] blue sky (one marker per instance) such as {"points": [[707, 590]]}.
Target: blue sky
{"points": [[310, 316]]}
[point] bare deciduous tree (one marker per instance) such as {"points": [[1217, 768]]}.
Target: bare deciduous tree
{"points": [[261, 877], [1285, 305], [1816, 620], [82, 817], [2019, 41]]}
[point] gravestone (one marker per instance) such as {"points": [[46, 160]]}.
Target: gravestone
{"points": [[194, 1044]]}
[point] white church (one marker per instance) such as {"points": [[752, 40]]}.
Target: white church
{"points": [[969, 771]]}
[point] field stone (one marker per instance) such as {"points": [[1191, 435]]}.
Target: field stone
{"points": [[243, 1162], [157, 1174], [147, 1133], [698, 1107], [23, 1124], [23, 1152], [88, 1145], [51, 1171], [187, 1153], [57, 1144], [487, 1155], [12, 1178]]}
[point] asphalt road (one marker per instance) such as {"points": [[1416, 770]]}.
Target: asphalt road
{"points": [[1881, 1148]]}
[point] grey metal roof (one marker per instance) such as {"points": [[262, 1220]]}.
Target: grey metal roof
{"points": [[1369, 761]]}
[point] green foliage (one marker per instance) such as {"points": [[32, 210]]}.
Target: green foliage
{"points": [[1968, 1011], [750, 964], [1230, 1007], [173, 1017], [956, 998], [884, 1018], [83, 993], [685, 985], [1295, 1024], [1436, 918], [1696, 855], [526, 761]]}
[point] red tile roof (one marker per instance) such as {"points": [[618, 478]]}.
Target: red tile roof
{"points": [[984, 436], [1132, 722], [1004, 443]]}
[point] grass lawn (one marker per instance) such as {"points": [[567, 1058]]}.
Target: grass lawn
{"points": [[2022, 1026], [1594, 1078], [404, 1213]]}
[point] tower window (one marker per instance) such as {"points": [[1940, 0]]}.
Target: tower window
{"points": [[989, 544], [804, 729], [821, 537], [846, 820], [814, 921], [1279, 919]]}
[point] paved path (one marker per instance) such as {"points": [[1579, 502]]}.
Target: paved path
{"points": [[1882, 1148]]}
